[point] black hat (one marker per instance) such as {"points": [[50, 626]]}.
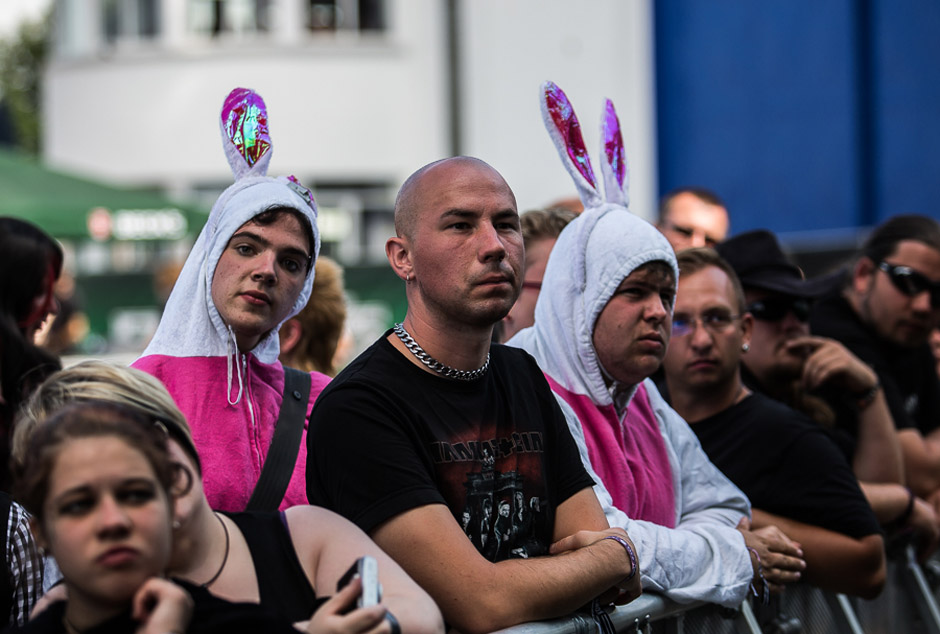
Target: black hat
{"points": [[760, 263]]}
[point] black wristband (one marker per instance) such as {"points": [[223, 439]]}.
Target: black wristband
{"points": [[866, 398], [901, 519], [393, 622]]}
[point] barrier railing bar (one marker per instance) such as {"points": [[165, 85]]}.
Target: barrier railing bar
{"points": [[913, 578], [747, 622], [675, 618], [843, 613]]}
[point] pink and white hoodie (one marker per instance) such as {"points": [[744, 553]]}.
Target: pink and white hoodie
{"points": [[655, 480], [231, 398]]}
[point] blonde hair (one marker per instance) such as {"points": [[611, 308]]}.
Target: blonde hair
{"points": [[322, 321], [101, 382]]}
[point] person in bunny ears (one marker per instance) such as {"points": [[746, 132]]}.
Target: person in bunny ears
{"points": [[602, 324], [216, 347], [450, 452]]}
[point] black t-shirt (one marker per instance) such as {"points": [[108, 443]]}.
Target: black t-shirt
{"points": [[386, 436], [786, 465], [908, 375], [843, 430], [211, 615]]}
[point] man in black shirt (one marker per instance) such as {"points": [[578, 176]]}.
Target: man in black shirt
{"points": [[793, 474], [432, 439], [822, 378], [884, 315]]}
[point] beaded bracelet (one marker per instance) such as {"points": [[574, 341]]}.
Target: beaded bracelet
{"points": [[765, 594], [632, 555]]}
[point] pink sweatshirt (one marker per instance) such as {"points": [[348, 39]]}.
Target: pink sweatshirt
{"points": [[232, 440], [629, 457]]}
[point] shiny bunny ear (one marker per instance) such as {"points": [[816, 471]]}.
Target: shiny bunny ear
{"points": [[565, 131], [614, 164], [245, 137]]}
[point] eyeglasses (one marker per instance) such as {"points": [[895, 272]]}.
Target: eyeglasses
{"points": [[716, 323], [776, 308], [689, 232], [910, 282]]}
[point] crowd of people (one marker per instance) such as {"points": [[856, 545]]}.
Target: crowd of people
{"points": [[576, 408]]}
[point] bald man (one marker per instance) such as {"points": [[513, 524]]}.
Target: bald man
{"points": [[451, 452]]}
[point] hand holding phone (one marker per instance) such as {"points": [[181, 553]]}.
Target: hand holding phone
{"points": [[367, 569]]}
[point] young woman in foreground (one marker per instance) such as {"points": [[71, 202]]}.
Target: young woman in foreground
{"points": [[283, 561], [100, 485]]}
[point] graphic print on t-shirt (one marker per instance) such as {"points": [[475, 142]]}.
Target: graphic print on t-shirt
{"points": [[498, 482]]}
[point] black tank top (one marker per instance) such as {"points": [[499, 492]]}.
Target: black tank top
{"points": [[282, 585]]}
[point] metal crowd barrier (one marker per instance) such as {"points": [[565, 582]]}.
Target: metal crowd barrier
{"points": [[907, 605]]}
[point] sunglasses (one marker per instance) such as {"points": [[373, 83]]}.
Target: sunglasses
{"points": [[910, 282], [776, 308]]}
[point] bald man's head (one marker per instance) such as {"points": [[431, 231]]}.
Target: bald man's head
{"points": [[413, 192]]}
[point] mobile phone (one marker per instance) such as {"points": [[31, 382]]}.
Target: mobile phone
{"points": [[367, 569]]}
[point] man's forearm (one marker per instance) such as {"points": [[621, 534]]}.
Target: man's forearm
{"points": [[878, 452], [547, 587], [476, 595]]}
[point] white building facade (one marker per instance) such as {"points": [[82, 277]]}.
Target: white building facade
{"points": [[360, 93]]}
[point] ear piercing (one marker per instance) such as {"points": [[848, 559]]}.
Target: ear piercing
{"points": [[745, 347]]}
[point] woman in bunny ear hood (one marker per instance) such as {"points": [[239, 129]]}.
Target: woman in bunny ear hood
{"points": [[216, 347], [654, 479]]}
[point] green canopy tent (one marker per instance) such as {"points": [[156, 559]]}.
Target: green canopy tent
{"points": [[101, 221], [60, 204]]}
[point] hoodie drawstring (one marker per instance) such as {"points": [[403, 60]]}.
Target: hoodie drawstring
{"points": [[233, 352]]}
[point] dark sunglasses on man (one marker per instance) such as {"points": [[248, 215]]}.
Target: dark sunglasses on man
{"points": [[776, 308], [910, 282]]}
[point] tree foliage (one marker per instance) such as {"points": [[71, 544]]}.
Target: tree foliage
{"points": [[21, 65]]}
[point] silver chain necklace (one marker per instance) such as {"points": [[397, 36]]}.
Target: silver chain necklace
{"points": [[434, 364]]}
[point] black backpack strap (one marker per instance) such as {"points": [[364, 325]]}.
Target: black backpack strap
{"points": [[282, 454]]}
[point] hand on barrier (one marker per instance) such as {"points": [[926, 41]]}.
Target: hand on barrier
{"points": [[776, 558], [630, 587]]}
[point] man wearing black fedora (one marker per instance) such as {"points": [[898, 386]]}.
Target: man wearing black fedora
{"points": [[822, 378], [816, 375]]}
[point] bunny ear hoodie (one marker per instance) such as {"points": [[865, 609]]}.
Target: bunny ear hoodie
{"points": [[231, 398], [658, 484]]}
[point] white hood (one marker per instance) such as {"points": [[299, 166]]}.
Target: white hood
{"points": [[592, 256], [191, 325]]}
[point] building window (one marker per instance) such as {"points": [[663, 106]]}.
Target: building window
{"points": [[214, 17], [130, 20], [347, 15]]}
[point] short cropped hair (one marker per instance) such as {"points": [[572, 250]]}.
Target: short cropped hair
{"points": [[695, 259], [883, 241], [270, 216], [705, 195], [541, 224]]}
